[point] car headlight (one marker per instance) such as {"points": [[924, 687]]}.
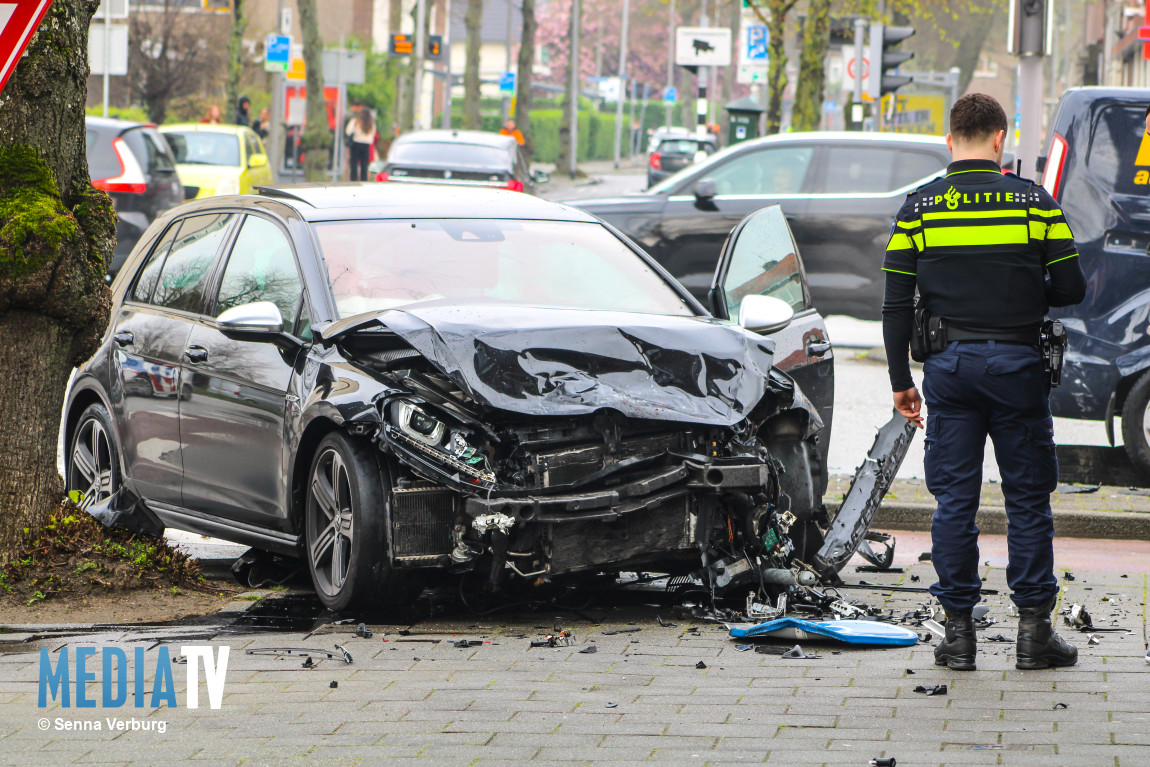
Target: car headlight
{"points": [[430, 436], [230, 185]]}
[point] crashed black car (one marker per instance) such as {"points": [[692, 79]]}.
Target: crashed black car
{"points": [[384, 380]]}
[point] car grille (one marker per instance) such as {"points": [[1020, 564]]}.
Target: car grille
{"points": [[421, 520], [587, 545], [562, 467]]}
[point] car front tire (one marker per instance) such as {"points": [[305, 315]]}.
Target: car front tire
{"points": [[1136, 424], [345, 528], [93, 458]]}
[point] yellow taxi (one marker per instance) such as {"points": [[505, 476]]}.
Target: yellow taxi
{"points": [[217, 159]]}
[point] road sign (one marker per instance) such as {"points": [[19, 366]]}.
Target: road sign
{"points": [[670, 95], [277, 53], [851, 70], [756, 44], [507, 82], [751, 74], [17, 23], [401, 45], [703, 46], [347, 67], [117, 56]]}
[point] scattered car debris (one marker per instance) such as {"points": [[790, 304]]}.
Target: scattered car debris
{"points": [[700, 665], [612, 705], [914, 578], [911, 671], [768, 649], [743, 647], [934, 627], [797, 652], [334, 684], [931, 689], [589, 649], [563, 638], [1093, 639], [363, 631], [1077, 616], [860, 632], [883, 761], [876, 569], [345, 656], [620, 631], [1147, 658], [665, 624], [1070, 489], [1057, 706], [308, 662], [465, 643], [1068, 576], [997, 638], [979, 612], [924, 557]]}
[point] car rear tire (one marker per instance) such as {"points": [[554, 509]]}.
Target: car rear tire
{"points": [[345, 528], [1136, 424], [93, 460]]}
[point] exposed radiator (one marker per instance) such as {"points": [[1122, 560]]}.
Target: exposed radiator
{"points": [[421, 519], [586, 545]]}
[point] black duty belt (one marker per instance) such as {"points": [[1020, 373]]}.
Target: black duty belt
{"points": [[1030, 337]]}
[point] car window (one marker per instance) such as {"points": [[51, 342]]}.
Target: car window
{"points": [[443, 153], [779, 170], [913, 167], [858, 170], [150, 149], [303, 323], [102, 160], [765, 262], [261, 268], [533, 263], [190, 260], [150, 273], [683, 146], [1115, 147], [252, 146], [205, 148]]}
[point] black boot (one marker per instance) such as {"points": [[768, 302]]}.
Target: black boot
{"points": [[957, 650], [1038, 645]]}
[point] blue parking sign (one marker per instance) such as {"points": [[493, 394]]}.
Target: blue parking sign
{"points": [[670, 95], [507, 82], [757, 39], [277, 53]]}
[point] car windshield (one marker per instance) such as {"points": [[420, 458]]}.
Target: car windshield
{"points": [[449, 154], [204, 148], [375, 265], [675, 179], [681, 146]]}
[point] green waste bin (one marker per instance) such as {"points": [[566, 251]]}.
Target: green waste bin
{"points": [[743, 120]]}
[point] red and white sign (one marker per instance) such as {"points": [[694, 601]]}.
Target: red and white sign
{"points": [[18, 21], [851, 68]]}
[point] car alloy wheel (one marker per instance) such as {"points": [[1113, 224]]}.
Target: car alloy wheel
{"points": [[93, 470], [331, 526], [1136, 424]]}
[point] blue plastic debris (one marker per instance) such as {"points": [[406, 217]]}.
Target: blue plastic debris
{"points": [[873, 633]]}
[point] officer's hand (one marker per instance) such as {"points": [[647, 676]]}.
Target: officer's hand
{"points": [[909, 405]]}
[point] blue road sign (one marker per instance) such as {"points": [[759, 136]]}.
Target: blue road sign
{"points": [[507, 82], [277, 52], [670, 95], [757, 39]]}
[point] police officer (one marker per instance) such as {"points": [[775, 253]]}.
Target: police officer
{"points": [[989, 253]]}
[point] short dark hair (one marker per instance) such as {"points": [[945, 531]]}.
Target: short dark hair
{"points": [[976, 117]]}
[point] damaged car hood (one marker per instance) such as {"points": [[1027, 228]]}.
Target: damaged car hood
{"points": [[541, 361]]}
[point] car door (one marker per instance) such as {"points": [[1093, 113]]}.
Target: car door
{"points": [[150, 335], [857, 191], [761, 258], [232, 423], [692, 230]]}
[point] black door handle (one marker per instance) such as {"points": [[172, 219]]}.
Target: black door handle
{"points": [[124, 338], [818, 349], [196, 353]]}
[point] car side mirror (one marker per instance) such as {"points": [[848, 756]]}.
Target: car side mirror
{"points": [[764, 314], [540, 176], [704, 190], [260, 320], [257, 161]]}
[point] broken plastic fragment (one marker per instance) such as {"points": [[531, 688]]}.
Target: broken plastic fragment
{"points": [[1060, 705], [914, 578], [924, 556], [363, 631], [997, 638], [931, 689], [612, 705], [308, 663], [1069, 576], [663, 623], [700, 664], [797, 652], [589, 649], [883, 761], [979, 612], [334, 684], [1093, 639], [621, 631], [743, 647], [1076, 615]]}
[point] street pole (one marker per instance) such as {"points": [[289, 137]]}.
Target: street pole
{"points": [[1030, 89], [107, 50], [337, 163], [507, 60], [670, 105], [701, 100], [275, 145], [856, 102], [574, 105], [417, 60], [622, 80]]}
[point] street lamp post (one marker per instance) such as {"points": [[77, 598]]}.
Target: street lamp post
{"points": [[622, 80]]}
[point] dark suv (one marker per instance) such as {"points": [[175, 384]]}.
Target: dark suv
{"points": [[839, 191], [1097, 166], [133, 163]]}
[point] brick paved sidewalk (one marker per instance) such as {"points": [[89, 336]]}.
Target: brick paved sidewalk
{"points": [[417, 699]]}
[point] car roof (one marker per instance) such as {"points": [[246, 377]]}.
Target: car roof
{"points": [[114, 123], [853, 137], [479, 138], [206, 127], [355, 200]]}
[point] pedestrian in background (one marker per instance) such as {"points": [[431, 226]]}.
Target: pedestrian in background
{"points": [[509, 129], [260, 126], [989, 253], [213, 117], [243, 111], [361, 132]]}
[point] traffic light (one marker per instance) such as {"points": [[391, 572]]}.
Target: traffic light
{"points": [[882, 39], [1031, 27]]}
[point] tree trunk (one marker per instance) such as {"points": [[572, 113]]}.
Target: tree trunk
{"points": [[777, 66], [570, 95], [808, 110], [316, 144], [524, 78], [473, 21], [56, 233], [235, 59]]}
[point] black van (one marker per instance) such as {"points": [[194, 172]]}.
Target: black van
{"points": [[1097, 165]]}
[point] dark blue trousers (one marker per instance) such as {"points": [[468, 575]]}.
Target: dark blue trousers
{"points": [[973, 390]]}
